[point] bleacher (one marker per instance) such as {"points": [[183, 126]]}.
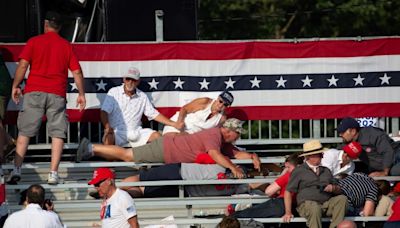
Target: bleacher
{"points": [[78, 209]]}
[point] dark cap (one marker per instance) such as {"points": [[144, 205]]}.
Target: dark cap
{"points": [[347, 123], [53, 16], [227, 97]]}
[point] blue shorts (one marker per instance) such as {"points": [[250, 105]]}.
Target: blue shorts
{"points": [[165, 172]]}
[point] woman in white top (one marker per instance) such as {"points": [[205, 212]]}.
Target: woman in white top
{"points": [[201, 113]]}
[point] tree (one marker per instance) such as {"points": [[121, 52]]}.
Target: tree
{"points": [[278, 19]]}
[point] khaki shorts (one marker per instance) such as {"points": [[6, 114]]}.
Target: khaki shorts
{"points": [[3, 106], [37, 104], [152, 152]]}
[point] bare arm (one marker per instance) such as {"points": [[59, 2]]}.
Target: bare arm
{"points": [[369, 208], [104, 120], [81, 100], [133, 222], [193, 106], [272, 189], [20, 72], [246, 155], [220, 159], [164, 120], [288, 207]]}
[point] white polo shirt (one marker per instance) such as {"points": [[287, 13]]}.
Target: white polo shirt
{"points": [[33, 216], [333, 159], [125, 114]]}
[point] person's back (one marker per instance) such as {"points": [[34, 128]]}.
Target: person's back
{"points": [[31, 217], [190, 145], [50, 57]]}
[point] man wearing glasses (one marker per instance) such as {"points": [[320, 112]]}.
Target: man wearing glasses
{"points": [[201, 113], [122, 111], [118, 208]]}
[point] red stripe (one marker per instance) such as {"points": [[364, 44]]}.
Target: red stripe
{"points": [[266, 112], [225, 50]]}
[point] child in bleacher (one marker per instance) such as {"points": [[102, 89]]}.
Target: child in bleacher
{"points": [[384, 207]]}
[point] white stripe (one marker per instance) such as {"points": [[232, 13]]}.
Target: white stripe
{"points": [[207, 68], [260, 98]]}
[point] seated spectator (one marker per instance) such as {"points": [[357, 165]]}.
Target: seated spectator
{"points": [[384, 207], [122, 111], [341, 161], [274, 207], [201, 113], [180, 148], [118, 208], [378, 148], [34, 215], [316, 195], [184, 171], [361, 192], [394, 219]]}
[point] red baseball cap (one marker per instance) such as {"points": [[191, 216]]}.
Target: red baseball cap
{"points": [[101, 174], [353, 149]]}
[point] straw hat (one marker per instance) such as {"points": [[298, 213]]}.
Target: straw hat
{"points": [[312, 147]]}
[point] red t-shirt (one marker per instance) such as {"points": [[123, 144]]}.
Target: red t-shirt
{"points": [[50, 56], [396, 211], [282, 181], [185, 148]]}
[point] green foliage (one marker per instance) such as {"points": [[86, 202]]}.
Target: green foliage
{"points": [[277, 19]]}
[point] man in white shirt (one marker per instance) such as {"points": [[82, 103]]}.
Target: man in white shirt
{"points": [[341, 161], [122, 111], [118, 208], [33, 215]]}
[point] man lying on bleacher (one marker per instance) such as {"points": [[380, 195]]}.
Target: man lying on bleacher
{"points": [[184, 171], [380, 153], [316, 194], [217, 142]]}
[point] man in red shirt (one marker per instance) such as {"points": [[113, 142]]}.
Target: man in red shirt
{"points": [[216, 142], [49, 57]]}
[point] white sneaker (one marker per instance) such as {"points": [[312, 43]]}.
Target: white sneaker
{"points": [[53, 178], [14, 176]]}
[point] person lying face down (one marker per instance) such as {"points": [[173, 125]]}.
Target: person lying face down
{"points": [[216, 142]]}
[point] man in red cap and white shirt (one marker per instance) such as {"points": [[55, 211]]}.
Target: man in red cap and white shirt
{"points": [[341, 161], [118, 208]]}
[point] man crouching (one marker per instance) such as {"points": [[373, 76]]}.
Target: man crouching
{"points": [[315, 190]]}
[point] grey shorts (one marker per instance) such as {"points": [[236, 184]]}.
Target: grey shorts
{"points": [[3, 106], [151, 152], [37, 104]]}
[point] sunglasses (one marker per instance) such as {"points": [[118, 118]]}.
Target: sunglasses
{"points": [[99, 183], [131, 79], [222, 102]]}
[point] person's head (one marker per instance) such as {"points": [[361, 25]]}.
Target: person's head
{"points": [[229, 222], [351, 151], [103, 181], [292, 161], [52, 21], [383, 186], [313, 152], [131, 79], [35, 194], [348, 129], [231, 130], [347, 224], [225, 99]]}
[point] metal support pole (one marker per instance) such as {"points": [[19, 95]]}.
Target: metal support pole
{"points": [[159, 16], [316, 129]]}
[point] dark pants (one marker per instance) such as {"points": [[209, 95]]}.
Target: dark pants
{"points": [[395, 170], [273, 208], [395, 224]]}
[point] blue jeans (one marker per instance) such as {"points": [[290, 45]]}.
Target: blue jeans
{"points": [[273, 208]]}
